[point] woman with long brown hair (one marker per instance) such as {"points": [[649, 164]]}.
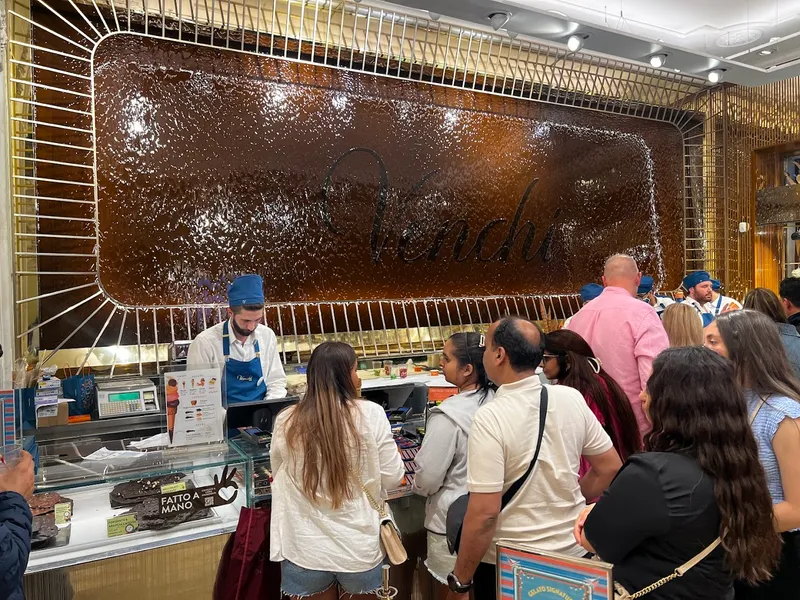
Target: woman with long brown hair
{"points": [[683, 326], [324, 530], [699, 480], [569, 360], [767, 302], [750, 340]]}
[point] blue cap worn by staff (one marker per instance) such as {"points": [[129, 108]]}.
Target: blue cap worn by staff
{"points": [[695, 279], [246, 290], [716, 285], [590, 291], [645, 285]]}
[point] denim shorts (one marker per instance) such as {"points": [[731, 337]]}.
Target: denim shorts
{"points": [[299, 582]]}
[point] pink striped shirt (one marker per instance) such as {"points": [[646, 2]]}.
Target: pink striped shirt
{"points": [[626, 335]]}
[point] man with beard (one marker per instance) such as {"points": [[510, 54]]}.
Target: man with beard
{"points": [[701, 294], [247, 349]]}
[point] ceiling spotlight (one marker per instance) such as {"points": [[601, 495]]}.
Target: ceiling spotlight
{"points": [[677, 70], [498, 19], [715, 75], [512, 34], [575, 42], [658, 60], [766, 52], [434, 16]]}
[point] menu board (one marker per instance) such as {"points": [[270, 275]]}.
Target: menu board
{"points": [[194, 406]]}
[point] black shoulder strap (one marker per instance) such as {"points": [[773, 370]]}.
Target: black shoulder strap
{"points": [[515, 487]]}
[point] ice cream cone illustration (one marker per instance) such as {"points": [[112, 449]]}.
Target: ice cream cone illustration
{"points": [[173, 400]]}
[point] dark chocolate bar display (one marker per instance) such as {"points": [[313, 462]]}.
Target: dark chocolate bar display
{"points": [[44, 530], [148, 515], [134, 492]]}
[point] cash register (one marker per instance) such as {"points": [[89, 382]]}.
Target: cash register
{"points": [[126, 397]]}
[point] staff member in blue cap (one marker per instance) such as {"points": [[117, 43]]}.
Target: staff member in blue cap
{"points": [[248, 349], [698, 286], [588, 293], [720, 303]]}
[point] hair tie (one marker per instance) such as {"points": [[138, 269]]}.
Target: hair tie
{"points": [[595, 364]]}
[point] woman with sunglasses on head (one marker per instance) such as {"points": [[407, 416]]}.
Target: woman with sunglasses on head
{"points": [[568, 360], [442, 461], [696, 500], [751, 341]]}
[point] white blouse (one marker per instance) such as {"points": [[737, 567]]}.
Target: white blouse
{"points": [[314, 536]]}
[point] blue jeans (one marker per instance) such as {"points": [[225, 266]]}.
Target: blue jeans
{"points": [[299, 582]]}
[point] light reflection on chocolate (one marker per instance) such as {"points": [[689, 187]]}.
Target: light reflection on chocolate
{"points": [[213, 163]]}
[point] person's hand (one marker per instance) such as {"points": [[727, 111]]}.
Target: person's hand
{"points": [[19, 478], [729, 307], [577, 530]]}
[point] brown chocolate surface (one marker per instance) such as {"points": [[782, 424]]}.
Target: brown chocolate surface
{"points": [[337, 185]]}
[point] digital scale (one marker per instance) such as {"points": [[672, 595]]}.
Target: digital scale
{"points": [[126, 397]]}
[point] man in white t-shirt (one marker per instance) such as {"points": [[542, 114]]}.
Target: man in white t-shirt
{"points": [[502, 443]]}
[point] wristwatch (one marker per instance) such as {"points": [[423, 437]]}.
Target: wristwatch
{"points": [[456, 586]]}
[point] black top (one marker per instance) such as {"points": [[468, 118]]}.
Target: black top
{"points": [[658, 513], [795, 320]]}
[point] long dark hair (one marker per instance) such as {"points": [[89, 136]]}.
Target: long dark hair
{"points": [[765, 301], [754, 345], [697, 410], [467, 350], [576, 369], [322, 429]]}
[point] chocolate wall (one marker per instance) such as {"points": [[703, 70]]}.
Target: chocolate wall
{"points": [[339, 185]]}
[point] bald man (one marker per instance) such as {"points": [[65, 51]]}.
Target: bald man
{"points": [[625, 333], [502, 445]]}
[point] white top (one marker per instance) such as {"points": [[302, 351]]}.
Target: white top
{"points": [[314, 536], [716, 307], [502, 442], [206, 349]]}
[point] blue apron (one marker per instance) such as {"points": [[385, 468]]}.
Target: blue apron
{"points": [[244, 381], [718, 306]]}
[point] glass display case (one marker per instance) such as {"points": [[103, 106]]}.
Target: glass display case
{"points": [[95, 502]]}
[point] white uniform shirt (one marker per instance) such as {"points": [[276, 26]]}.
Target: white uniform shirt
{"points": [[719, 305], [313, 535], [206, 349], [502, 442]]}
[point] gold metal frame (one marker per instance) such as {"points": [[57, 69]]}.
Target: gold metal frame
{"points": [[344, 35]]}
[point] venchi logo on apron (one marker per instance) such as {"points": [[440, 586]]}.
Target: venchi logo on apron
{"points": [[243, 378]]}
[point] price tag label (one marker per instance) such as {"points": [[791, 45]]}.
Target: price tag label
{"points": [[180, 486], [121, 525], [63, 513]]}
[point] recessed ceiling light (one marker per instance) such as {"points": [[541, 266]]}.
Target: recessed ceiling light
{"points": [[657, 60], [766, 52], [677, 70], [575, 43], [772, 40], [498, 19], [558, 13], [715, 75]]}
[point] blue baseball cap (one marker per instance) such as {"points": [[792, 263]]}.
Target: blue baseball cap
{"points": [[696, 278], [646, 285], [716, 285], [246, 289], [591, 291]]}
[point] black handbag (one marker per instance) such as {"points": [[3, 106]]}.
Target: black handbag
{"points": [[458, 509]]}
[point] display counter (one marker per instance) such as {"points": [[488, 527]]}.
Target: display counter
{"points": [[119, 502]]}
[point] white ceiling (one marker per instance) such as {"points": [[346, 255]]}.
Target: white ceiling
{"points": [[697, 35]]}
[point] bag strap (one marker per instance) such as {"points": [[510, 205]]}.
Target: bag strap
{"points": [[370, 498], [761, 402], [679, 572], [517, 485]]}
